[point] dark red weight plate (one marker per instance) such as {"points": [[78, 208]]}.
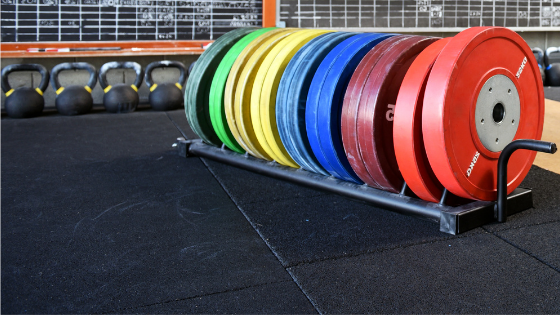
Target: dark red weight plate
{"points": [[483, 92], [407, 126], [350, 107], [376, 110]]}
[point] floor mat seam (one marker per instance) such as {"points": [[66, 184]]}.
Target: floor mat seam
{"points": [[524, 226], [176, 126], [200, 295], [382, 250], [257, 230], [295, 280], [528, 253]]}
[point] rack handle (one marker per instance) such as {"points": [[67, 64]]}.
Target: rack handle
{"points": [[526, 144]]}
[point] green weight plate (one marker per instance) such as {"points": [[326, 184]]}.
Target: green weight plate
{"points": [[216, 101], [197, 89]]}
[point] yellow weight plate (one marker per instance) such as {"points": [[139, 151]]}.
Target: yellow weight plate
{"points": [[231, 86], [263, 98], [244, 87]]}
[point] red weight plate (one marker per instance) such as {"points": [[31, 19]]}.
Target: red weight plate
{"points": [[352, 97], [376, 111], [483, 92], [407, 126]]}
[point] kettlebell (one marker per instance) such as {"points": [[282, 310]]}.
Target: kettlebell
{"points": [[552, 61], [120, 98], [24, 102], [191, 67], [166, 96], [73, 99], [539, 55]]}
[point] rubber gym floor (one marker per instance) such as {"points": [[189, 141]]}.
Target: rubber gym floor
{"points": [[100, 215]]}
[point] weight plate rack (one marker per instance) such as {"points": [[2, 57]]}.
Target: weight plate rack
{"points": [[451, 219], [418, 125]]}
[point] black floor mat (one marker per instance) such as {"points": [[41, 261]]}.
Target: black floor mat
{"points": [[99, 214]]}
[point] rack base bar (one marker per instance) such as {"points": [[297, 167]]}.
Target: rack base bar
{"points": [[452, 220]]}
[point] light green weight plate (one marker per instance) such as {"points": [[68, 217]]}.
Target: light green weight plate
{"points": [[216, 101], [197, 89]]}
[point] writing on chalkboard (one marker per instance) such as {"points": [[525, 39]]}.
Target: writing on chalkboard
{"points": [[109, 20], [420, 13]]}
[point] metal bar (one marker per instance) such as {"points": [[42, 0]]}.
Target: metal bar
{"points": [[403, 189], [533, 145], [443, 196], [477, 213], [395, 202], [452, 220]]}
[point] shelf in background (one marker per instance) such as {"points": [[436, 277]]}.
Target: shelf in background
{"points": [[126, 48]]}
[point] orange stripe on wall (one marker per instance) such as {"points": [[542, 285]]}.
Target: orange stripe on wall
{"points": [[269, 13]]}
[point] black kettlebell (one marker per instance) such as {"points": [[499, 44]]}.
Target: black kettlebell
{"points": [[166, 96], [191, 67], [552, 62], [539, 55], [120, 98], [73, 99], [553, 74], [25, 102]]}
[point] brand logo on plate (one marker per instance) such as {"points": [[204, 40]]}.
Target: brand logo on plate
{"points": [[521, 67], [474, 159]]}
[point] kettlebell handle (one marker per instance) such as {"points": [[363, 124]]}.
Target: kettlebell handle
{"points": [[191, 67], [164, 64], [71, 66], [120, 65], [540, 53], [549, 51], [25, 67]]}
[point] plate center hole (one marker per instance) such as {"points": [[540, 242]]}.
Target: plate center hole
{"points": [[498, 113]]}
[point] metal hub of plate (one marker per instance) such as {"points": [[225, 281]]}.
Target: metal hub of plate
{"points": [[497, 112], [456, 89]]}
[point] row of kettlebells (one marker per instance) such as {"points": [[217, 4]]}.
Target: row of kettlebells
{"points": [[549, 65], [25, 102]]}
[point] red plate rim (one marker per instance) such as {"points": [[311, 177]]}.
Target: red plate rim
{"points": [[407, 126], [455, 168], [375, 127], [351, 103]]}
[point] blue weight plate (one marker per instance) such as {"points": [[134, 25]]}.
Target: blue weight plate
{"points": [[292, 96], [331, 100], [283, 116], [312, 103], [325, 98], [282, 119]]}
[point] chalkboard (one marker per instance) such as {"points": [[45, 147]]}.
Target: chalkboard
{"points": [[420, 14], [124, 20]]}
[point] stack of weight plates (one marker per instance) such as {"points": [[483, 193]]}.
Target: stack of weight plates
{"points": [[374, 109]]}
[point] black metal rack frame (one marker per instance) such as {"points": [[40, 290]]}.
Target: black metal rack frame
{"points": [[452, 220]]}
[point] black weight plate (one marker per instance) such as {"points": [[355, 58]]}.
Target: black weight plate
{"points": [[197, 89]]}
